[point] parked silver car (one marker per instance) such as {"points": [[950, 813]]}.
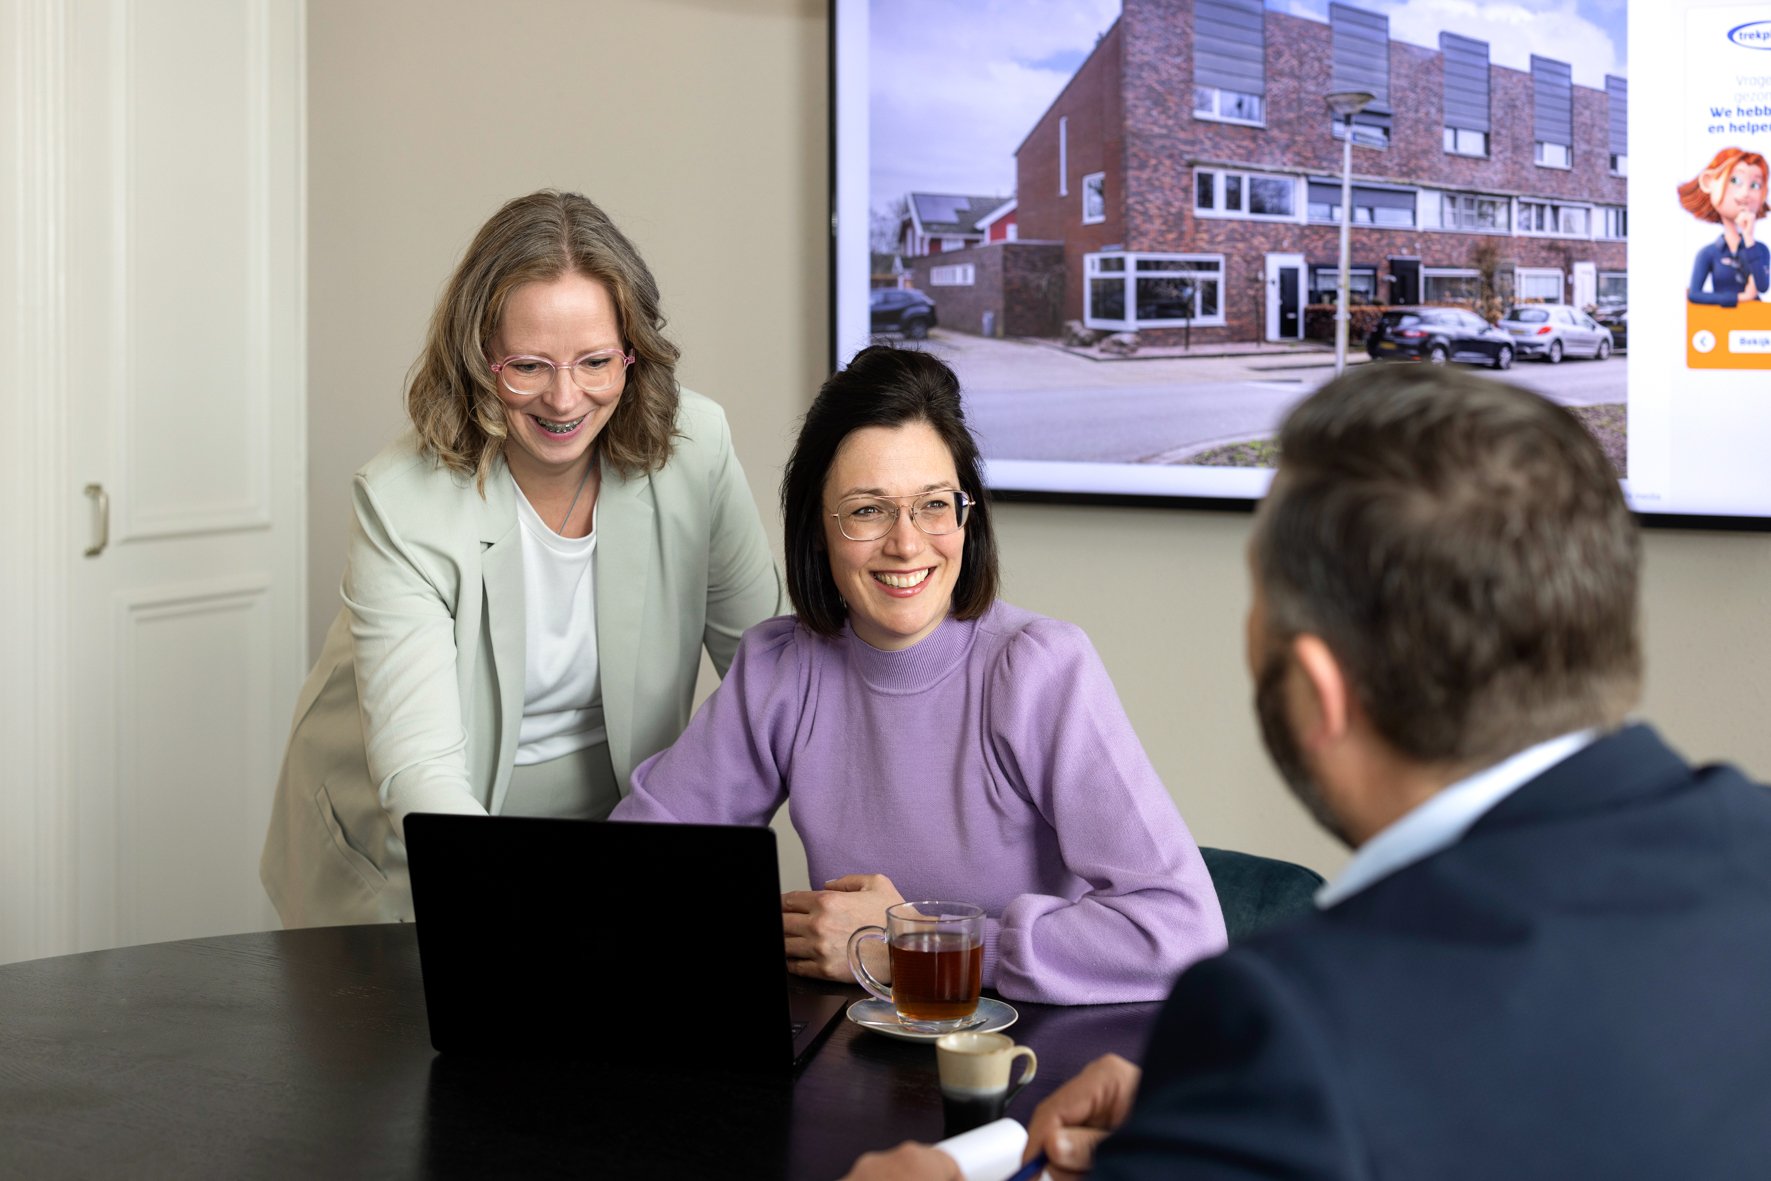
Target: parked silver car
{"points": [[1555, 330]]}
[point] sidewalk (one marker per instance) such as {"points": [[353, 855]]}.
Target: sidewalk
{"points": [[1307, 354], [1021, 364]]}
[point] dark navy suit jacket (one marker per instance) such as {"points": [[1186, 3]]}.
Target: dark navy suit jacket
{"points": [[1579, 988]]}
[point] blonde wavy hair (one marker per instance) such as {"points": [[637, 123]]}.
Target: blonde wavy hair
{"points": [[451, 392]]}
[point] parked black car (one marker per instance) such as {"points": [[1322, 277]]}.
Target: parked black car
{"points": [[894, 309], [1616, 318], [1438, 335]]}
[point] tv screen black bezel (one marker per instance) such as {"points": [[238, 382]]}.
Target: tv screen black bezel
{"points": [[1725, 523]]}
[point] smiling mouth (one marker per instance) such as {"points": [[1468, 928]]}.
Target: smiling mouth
{"points": [[902, 581], [558, 428]]}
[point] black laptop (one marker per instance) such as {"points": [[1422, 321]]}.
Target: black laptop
{"points": [[634, 943]]}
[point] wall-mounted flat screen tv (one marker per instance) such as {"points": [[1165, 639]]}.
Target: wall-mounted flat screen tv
{"points": [[1121, 222]]}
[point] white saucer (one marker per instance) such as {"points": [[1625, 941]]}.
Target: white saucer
{"points": [[880, 1017]]}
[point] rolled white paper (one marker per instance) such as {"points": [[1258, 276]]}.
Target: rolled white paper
{"points": [[989, 1153]]}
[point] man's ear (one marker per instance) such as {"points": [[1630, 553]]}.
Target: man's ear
{"points": [[1331, 713]]}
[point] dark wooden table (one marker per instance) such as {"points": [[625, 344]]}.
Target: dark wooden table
{"points": [[306, 1054]]}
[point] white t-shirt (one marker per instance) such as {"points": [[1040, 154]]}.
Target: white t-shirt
{"points": [[562, 696]]}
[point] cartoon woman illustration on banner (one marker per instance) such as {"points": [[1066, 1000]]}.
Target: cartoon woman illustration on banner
{"points": [[1735, 268]]}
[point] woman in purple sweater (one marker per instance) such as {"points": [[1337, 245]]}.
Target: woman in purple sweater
{"points": [[930, 741]]}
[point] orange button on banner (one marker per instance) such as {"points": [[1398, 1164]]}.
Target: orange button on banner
{"points": [[1727, 338]]}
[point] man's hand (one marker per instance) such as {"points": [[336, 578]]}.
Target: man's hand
{"points": [[1078, 1115], [816, 924], [909, 1161]]}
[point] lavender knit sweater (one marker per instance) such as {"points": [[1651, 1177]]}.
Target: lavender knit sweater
{"points": [[991, 763]]}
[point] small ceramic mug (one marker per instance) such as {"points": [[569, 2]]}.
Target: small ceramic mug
{"points": [[975, 1077]]}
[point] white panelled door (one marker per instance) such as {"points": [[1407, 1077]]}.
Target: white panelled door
{"points": [[178, 231]]}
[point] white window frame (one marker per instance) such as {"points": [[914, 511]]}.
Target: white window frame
{"points": [[1208, 104], [1502, 205], [1371, 223], [1616, 275], [1524, 276], [1063, 155], [1333, 286], [1092, 270], [1094, 185], [1453, 140], [1612, 223], [1557, 207], [1620, 164], [1561, 157], [1427, 274], [1300, 197], [954, 274]]}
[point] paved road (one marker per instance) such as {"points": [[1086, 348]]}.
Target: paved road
{"points": [[1151, 424], [1034, 402]]}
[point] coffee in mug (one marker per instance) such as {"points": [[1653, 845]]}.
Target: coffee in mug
{"points": [[937, 958], [975, 1077]]}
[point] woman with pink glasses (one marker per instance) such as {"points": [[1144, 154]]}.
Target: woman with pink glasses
{"points": [[534, 569]]}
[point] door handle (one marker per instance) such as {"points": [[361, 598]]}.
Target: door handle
{"points": [[101, 519]]}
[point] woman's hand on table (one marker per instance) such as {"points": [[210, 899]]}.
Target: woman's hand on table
{"points": [[816, 924]]}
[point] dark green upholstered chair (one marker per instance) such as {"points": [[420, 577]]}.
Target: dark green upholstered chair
{"points": [[1259, 892]]}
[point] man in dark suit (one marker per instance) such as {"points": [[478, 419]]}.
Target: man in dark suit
{"points": [[1550, 956]]}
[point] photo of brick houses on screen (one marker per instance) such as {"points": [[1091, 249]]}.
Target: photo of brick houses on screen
{"points": [[1181, 195]]}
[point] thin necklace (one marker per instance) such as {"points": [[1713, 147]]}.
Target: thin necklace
{"points": [[583, 480]]}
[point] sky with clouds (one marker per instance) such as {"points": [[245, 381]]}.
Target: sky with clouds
{"points": [[957, 84]]}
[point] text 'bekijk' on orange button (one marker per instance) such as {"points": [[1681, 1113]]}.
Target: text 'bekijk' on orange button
{"points": [[1728, 338]]}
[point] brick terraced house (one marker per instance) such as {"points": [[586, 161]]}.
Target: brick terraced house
{"points": [[1191, 170]]}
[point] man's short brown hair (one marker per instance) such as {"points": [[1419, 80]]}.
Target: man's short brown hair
{"points": [[1463, 548]]}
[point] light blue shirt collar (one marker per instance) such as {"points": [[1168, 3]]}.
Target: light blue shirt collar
{"points": [[1443, 818]]}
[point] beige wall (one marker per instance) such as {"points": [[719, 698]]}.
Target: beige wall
{"points": [[701, 127]]}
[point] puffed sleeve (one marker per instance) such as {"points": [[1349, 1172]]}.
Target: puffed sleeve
{"points": [[732, 764], [402, 628], [1061, 738], [743, 583]]}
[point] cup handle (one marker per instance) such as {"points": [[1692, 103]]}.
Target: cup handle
{"points": [[862, 976], [1032, 1069]]}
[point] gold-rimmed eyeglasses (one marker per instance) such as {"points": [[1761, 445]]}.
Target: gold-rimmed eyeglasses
{"points": [[869, 518], [527, 376]]}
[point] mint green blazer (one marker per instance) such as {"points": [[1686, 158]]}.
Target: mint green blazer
{"points": [[417, 697]]}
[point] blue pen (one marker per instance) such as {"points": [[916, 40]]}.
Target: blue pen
{"points": [[1031, 1169]]}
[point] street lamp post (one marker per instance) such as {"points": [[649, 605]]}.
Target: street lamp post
{"points": [[1345, 104]]}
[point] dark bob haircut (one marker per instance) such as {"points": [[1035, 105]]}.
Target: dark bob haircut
{"points": [[889, 387]]}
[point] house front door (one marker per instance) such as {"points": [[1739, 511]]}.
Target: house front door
{"points": [[1285, 297], [1404, 280], [1586, 285]]}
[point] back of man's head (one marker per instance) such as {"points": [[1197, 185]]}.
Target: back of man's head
{"points": [[1464, 550]]}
